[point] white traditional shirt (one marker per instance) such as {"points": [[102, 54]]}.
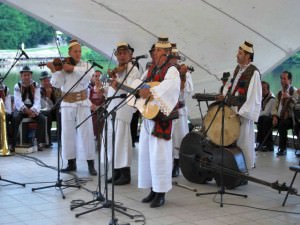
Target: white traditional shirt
{"points": [[64, 81]]}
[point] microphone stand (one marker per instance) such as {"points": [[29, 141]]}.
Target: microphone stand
{"points": [[110, 203], [221, 191], [59, 182], [12, 66], [1, 81]]}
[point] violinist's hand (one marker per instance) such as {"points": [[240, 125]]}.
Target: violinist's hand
{"points": [[68, 68], [93, 107], [275, 121], [145, 93], [114, 84], [183, 69], [51, 67], [220, 98]]}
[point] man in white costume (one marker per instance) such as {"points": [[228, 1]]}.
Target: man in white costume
{"points": [[155, 145], [75, 107], [123, 140], [246, 82], [180, 128]]}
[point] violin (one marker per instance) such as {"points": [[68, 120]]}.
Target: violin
{"points": [[58, 63], [120, 69]]}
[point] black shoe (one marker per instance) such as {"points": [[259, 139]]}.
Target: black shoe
{"points": [[71, 166], [125, 177], [158, 201], [175, 171], [281, 152], [150, 197], [117, 174], [92, 170]]}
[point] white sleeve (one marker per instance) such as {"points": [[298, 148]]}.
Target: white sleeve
{"points": [[251, 108], [81, 68], [7, 104], [189, 87], [167, 92], [19, 104], [268, 108], [144, 75], [37, 100], [58, 79], [134, 74]]}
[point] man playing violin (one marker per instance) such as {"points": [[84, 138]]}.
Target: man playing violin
{"points": [[123, 141], [75, 107], [245, 83], [155, 144], [283, 109], [181, 127]]}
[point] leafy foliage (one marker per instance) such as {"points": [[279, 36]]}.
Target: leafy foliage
{"points": [[17, 27]]}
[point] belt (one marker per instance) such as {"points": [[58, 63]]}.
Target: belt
{"points": [[75, 96]]}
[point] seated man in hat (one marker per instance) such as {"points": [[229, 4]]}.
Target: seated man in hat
{"points": [[28, 104], [264, 124], [282, 112], [49, 96]]}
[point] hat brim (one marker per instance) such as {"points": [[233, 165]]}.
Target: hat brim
{"points": [[246, 48], [163, 45], [22, 71]]}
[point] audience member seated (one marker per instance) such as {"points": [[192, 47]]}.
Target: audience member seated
{"points": [[49, 96], [264, 124], [97, 98], [282, 112], [6, 97], [27, 105]]}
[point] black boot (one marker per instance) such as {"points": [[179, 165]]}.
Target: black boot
{"points": [[149, 197], [125, 176], [71, 166], [117, 174], [92, 170], [175, 171], [158, 201]]}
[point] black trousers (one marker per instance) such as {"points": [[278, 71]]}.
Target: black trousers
{"points": [[283, 126], [51, 116], [41, 122], [134, 126], [264, 125], [9, 128]]}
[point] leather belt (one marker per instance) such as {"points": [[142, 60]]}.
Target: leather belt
{"points": [[75, 96]]}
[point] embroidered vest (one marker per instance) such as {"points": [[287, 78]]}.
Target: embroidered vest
{"points": [[27, 93], [163, 124], [244, 81]]}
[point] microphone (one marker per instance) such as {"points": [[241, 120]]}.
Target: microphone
{"points": [[119, 96], [24, 53], [96, 64], [181, 58], [141, 57]]}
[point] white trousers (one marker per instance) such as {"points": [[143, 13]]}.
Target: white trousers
{"points": [[155, 160], [123, 144], [180, 129], [246, 141], [77, 143]]}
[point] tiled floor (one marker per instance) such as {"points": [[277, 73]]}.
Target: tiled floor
{"points": [[21, 206]]}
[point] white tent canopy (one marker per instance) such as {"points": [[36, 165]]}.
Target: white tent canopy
{"points": [[207, 32]]}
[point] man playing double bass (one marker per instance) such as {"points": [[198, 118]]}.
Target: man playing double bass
{"points": [[245, 83]]}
